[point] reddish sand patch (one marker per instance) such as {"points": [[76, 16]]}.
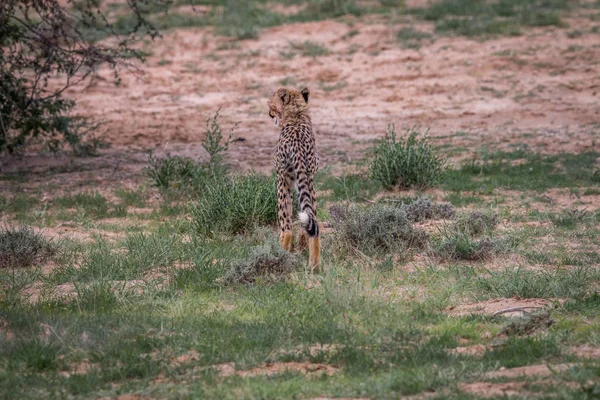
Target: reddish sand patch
{"points": [[476, 350], [488, 389], [489, 307], [305, 368], [539, 89], [539, 370], [586, 351]]}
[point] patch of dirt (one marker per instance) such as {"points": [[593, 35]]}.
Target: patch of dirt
{"points": [[340, 398], [539, 89], [80, 368], [305, 368], [491, 306], [585, 351], [488, 389], [477, 350], [312, 350], [133, 396], [187, 357], [538, 370], [510, 389], [5, 331]]}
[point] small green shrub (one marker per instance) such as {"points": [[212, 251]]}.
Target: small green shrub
{"points": [[569, 219], [375, 228], [235, 204], [22, 247], [423, 209], [409, 161], [215, 144], [93, 204], [476, 223], [310, 49], [528, 324], [173, 171], [412, 38], [269, 262], [334, 8], [456, 244]]}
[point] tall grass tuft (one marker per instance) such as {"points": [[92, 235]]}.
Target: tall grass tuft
{"points": [[409, 161], [235, 204]]}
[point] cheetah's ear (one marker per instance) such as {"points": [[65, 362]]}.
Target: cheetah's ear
{"points": [[283, 95], [305, 92]]}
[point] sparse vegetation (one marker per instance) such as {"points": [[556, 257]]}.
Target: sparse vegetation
{"points": [[459, 245], [407, 161], [529, 323], [177, 287], [268, 263], [512, 282], [183, 173], [310, 49], [476, 222], [423, 209], [504, 17], [22, 247], [412, 38], [378, 228]]}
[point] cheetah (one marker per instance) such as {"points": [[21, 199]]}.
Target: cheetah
{"points": [[296, 162]]}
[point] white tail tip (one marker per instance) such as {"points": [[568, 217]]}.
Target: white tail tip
{"points": [[304, 218]]}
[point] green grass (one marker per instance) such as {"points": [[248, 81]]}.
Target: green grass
{"points": [[235, 205], [309, 49], [412, 38], [237, 19], [573, 283], [535, 172], [503, 17], [155, 308], [407, 161]]}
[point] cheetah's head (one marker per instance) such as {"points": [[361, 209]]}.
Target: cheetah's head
{"points": [[287, 102]]}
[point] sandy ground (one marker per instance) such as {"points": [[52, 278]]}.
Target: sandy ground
{"points": [[539, 90]]}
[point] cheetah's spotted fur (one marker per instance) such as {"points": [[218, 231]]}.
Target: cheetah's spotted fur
{"points": [[296, 162]]}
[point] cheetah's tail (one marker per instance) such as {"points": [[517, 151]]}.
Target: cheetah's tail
{"points": [[309, 223]]}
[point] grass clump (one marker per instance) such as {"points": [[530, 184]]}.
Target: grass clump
{"points": [[459, 242], [528, 324], [459, 245], [375, 228], [412, 38], [175, 172], [406, 162], [268, 262], [477, 222], [569, 219], [423, 209], [22, 247], [310, 49], [235, 204]]}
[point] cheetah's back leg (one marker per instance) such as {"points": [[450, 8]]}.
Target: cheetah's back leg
{"points": [[284, 211]]}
